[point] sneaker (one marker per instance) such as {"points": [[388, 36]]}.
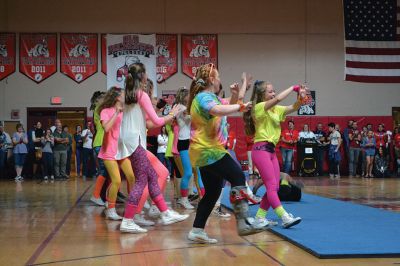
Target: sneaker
{"points": [[193, 197], [263, 222], [46, 178], [331, 176], [171, 216], [200, 236], [220, 213], [140, 220], [154, 212], [129, 226], [112, 214], [97, 201], [21, 178], [256, 199], [146, 205], [184, 202], [337, 176], [18, 179], [52, 177], [288, 220]]}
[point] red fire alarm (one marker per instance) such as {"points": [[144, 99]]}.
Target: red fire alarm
{"points": [[56, 100]]}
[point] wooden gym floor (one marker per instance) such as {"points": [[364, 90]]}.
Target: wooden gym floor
{"points": [[56, 224]]}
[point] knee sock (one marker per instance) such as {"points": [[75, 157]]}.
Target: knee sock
{"points": [[99, 184]]}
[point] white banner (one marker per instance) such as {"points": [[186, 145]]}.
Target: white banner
{"points": [[126, 49]]}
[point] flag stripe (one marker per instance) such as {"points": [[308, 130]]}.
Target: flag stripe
{"points": [[375, 65], [373, 51], [372, 72], [372, 58], [372, 79], [375, 44]]}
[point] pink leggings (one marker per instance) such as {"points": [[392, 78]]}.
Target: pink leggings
{"points": [[268, 166]]}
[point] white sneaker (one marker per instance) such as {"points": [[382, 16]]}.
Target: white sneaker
{"points": [[337, 176], [220, 213], [46, 178], [201, 237], [171, 216], [288, 220], [18, 179], [129, 226], [154, 212], [146, 205], [97, 201], [263, 222], [112, 214], [184, 202], [140, 220], [52, 177]]}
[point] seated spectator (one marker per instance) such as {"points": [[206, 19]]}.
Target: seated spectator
{"points": [[306, 134], [382, 163]]}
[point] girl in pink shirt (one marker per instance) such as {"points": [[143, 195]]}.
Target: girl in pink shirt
{"points": [[111, 116]]}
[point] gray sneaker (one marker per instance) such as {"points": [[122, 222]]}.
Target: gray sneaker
{"points": [[201, 237]]}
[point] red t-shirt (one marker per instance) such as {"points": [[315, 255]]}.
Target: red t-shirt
{"points": [[288, 135], [355, 143], [381, 139], [396, 140]]}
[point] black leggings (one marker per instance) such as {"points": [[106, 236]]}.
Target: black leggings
{"points": [[213, 176]]}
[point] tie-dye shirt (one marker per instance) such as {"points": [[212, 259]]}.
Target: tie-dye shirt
{"points": [[208, 133]]}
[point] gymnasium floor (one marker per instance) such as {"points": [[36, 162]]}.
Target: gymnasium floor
{"points": [[56, 224]]}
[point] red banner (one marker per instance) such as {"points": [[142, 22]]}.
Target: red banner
{"points": [[104, 54], [167, 56], [7, 54], [78, 55], [38, 55], [198, 50]]}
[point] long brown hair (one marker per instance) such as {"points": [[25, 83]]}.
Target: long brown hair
{"points": [[110, 99], [200, 82], [257, 96], [181, 95], [133, 82]]}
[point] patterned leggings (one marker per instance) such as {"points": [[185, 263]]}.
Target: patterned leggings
{"points": [[145, 175]]}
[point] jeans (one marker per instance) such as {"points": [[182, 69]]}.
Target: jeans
{"points": [[3, 156], [68, 167], [354, 155], [89, 165], [165, 161], [102, 168], [78, 160], [320, 159], [48, 165], [287, 158]]}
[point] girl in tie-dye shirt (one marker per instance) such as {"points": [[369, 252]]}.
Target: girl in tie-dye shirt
{"points": [[207, 151]]}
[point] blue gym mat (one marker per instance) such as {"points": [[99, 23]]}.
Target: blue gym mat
{"points": [[336, 229]]}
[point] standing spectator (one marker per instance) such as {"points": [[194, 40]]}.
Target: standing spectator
{"points": [[368, 145], [364, 134], [48, 166], [87, 154], [78, 149], [370, 127], [320, 135], [69, 150], [19, 140], [381, 137], [4, 143], [306, 133], [346, 133], [60, 151], [396, 142], [37, 137], [30, 156], [334, 154], [289, 139], [354, 149], [162, 140]]}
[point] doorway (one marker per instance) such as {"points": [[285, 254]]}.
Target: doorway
{"points": [[69, 116], [396, 116]]}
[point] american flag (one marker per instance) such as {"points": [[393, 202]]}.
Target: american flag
{"points": [[372, 40]]}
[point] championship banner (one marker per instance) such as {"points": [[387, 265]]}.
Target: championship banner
{"points": [[309, 107], [78, 55], [103, 54], [167, 57], [124, 50], [198, 50], [38, 55], [7, 54]]}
